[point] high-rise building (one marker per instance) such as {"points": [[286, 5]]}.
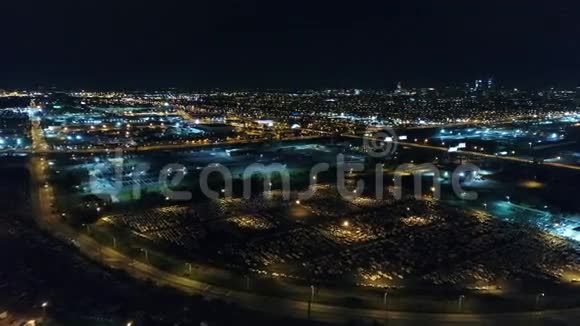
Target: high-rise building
{"points": [[490, 83], [478, 85], [400, 90]]}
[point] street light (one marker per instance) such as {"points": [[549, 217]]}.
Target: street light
{"points": [[538, 297], [44, 305], [385, 302], [311, 299], [460, 302]]}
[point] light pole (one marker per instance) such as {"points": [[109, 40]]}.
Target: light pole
{"points": [[386, 306], [44, 305], [247, 278], [460, 303], [311, 299], [385, 302], [538, 298]]}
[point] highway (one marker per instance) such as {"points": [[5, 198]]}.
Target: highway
{"points": [[479, 154], [43, 149]]}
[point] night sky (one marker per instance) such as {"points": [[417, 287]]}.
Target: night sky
{"points": [[266, 44]]}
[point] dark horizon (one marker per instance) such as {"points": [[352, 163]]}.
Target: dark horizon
{"points": [[249, 45]]}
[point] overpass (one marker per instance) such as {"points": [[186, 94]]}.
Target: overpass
{"points": [[472, 153]]}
